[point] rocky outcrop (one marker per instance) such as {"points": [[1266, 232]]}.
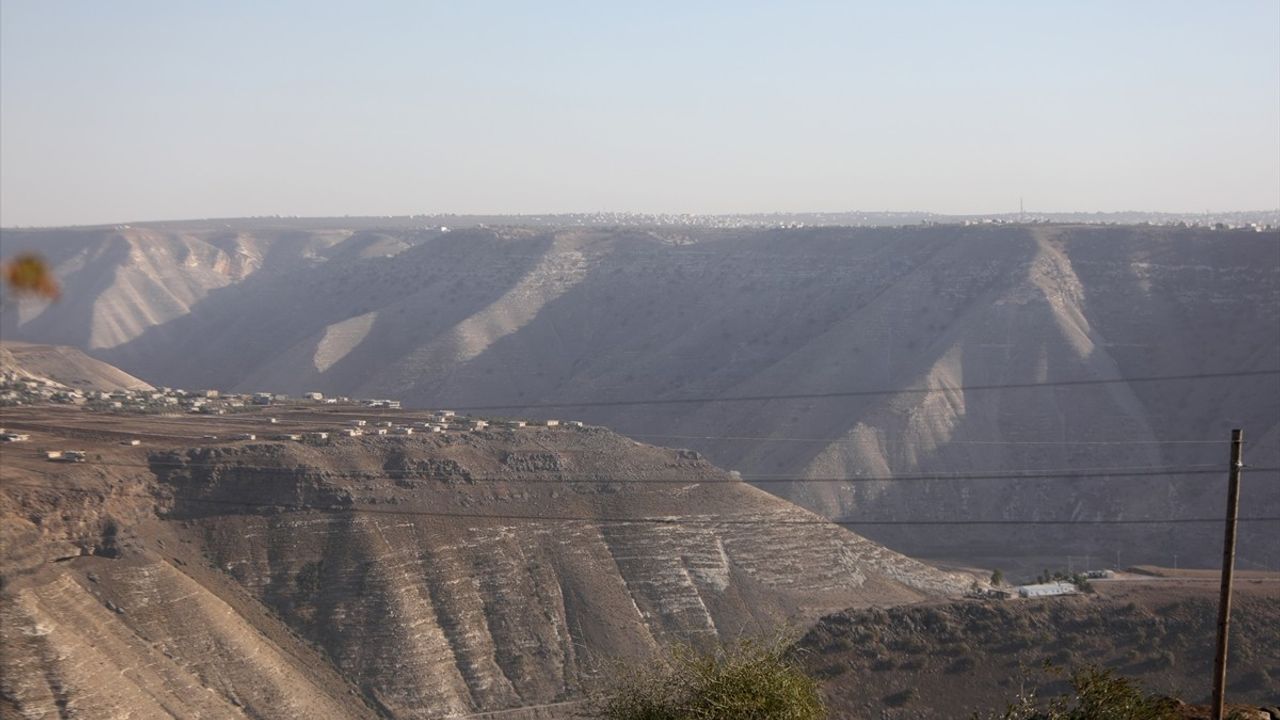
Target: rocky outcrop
{"points": [[419, 576]]}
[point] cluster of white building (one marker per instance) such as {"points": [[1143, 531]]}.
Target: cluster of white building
{"points": [[23, 390], [444, 421], [20, 390], [15, 390], [13, 436]]}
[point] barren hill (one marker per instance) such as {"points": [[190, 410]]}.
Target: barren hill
{"points": [[535, 316], [950, 659], [419, 576], [65, 365]]}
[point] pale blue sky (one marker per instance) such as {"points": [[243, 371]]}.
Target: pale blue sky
{"points": [[118, 111]]}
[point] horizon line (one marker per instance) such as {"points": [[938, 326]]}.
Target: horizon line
{"points": [[639, 214]]}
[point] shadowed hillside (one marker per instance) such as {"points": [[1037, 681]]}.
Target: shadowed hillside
{"points": [[948, 660], [524, 317]]}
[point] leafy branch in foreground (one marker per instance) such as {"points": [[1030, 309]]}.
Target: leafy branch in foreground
{"points": [[1097, 694], [751, 680], [28, 274]]}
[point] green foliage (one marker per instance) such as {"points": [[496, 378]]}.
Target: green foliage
{"points": [[1100, 695], [901, 697], [1097, 694], [308, 580], [1080, 580], [748, 681], [997, 577]]}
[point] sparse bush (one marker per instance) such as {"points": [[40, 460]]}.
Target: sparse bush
{"points": [[831, 670], [1096, 695], [308, 580], [748, 681], [839, 643], [900, 698]]}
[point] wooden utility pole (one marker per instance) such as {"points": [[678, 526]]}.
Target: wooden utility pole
{"points": [[1228, 568]]}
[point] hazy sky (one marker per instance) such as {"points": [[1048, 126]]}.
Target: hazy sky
{"points": [[117, 111]]}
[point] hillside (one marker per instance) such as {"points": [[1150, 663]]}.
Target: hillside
{"points": [[393, 576], [65, 365], [948, 660], [538, 316]]}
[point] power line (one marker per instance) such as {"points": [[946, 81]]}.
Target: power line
{"points": [[831, 395], [518, 708], [562, 477], [870, 393], [289, 423], [667, 520], [767, 438], [341, 419]]}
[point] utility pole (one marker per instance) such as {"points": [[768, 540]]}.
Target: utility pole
{"points": [[1228, 568]]}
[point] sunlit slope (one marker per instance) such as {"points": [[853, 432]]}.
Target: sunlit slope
{"points": [[419, 576], [178, 650], [65, 365]]}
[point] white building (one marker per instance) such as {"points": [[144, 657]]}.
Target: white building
{"points": [[1047, 589]]}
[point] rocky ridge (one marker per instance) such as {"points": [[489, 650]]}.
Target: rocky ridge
{"points": [[395, 576], [527, 317]]}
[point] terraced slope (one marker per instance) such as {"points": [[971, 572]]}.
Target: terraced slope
{"points": [[403, 576]]}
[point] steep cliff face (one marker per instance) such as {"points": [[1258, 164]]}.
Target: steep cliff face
{"points": [[528, 317], [409, 576]]}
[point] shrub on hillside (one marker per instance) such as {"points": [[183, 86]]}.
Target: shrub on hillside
{"points": [[748, 681], [1096, 694]]}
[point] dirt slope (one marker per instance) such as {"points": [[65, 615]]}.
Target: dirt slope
{"points": [[400, 575], [66, 365]]}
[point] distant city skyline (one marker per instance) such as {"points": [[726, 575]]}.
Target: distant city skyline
{"points": [[142, 111]]}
